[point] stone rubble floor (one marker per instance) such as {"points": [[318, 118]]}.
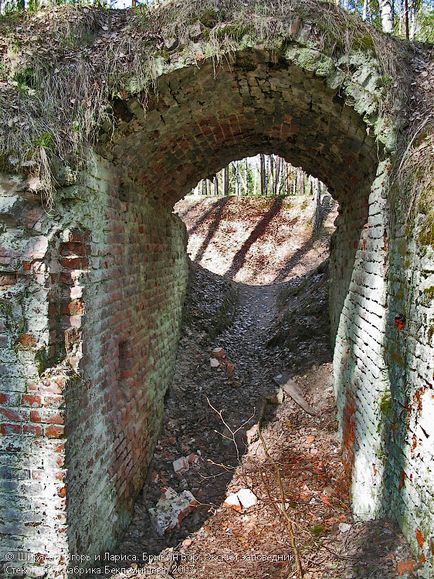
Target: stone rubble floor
{"points": [[248, 322]]}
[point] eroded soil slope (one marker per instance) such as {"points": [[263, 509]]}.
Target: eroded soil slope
{"points": [[256, 240]]}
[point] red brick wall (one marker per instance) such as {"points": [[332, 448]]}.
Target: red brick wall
{"points": [[88, 333]]}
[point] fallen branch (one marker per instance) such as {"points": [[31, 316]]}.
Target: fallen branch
{"points": [[233, 433], [288, 520], [292, 389]]}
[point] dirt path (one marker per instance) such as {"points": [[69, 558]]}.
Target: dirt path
{"points": [[212, 416], [215, 540]]}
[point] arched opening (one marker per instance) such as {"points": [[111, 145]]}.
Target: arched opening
{"points": [[92, 292], [258, 221], [202, 118]]}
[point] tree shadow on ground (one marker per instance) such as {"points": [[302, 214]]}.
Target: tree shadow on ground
{"points": [[218, 210], [183, 213], [294, 260], [207, 214], [258, 231], [375, 541], [188, 416], [327, 205]]}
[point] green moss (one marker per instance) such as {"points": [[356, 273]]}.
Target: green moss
{"points": [[386, 415], [426, 201], [7, 314], [317, 530], [429, 292], [380, 454], [325, 67], [41, 361], [165, 54], [209, 18], [308, 59], [235, 31], [386, 404], [363, 42], [426, 233], [402, 247]]}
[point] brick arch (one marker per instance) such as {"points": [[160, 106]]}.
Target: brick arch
{"points": [[202, 118], [199, 120], [126, 278]]}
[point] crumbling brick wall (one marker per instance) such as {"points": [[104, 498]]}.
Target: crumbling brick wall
{"points": [[91, 294], [91, 306]]}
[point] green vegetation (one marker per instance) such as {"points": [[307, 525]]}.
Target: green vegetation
{"points": [[209, 18], [45, 140], [317, 530], [429, 292], [41, 361], [386, 404], [234, 31], [115, 53], [425, 206]]}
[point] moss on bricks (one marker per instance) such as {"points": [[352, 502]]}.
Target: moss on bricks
{"points": [[386, 405], [41, 361], [426, 233], [235, 31]]}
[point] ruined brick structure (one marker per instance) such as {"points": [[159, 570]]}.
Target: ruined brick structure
{"points": [[91, 294]]}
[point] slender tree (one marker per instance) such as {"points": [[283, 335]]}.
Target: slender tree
{"points": [[247, 177], [365, 10], [315, 188], [386, 14], [415, 6], [237, 179], [263, 176], [226, 181]]}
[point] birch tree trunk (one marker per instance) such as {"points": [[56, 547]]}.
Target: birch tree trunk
{"points": [[413, 19], [386, 15], [247, 177], [316, 191], [270, 174], [365, 10], [263, 176], [278, 173], [237, 178], [226, 181]]}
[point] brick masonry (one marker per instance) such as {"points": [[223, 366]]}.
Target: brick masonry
{"points": [[89, 324], [91, 297]]}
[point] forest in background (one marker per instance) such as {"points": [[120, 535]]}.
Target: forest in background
{"points": [[265, 175]]}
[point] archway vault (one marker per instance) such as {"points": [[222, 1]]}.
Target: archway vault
{"points": [[257, 102], [98, 284]]}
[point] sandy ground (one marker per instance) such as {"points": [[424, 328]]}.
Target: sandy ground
{"points": [[257, 241]]}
